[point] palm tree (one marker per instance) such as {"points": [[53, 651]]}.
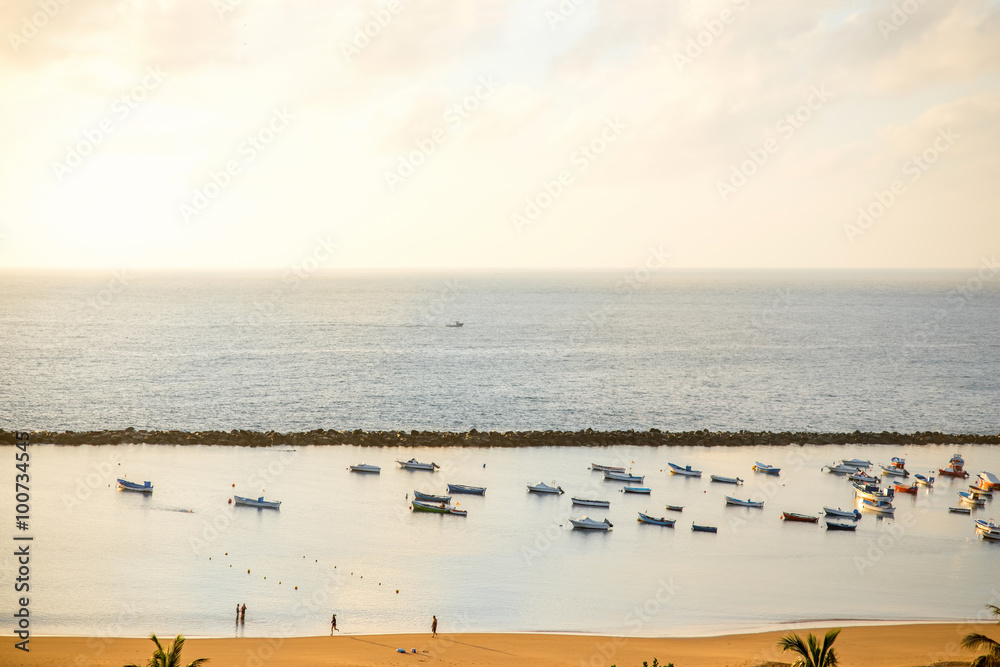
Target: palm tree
{"points": [[976, 641], [811, 653], [171, 656]]}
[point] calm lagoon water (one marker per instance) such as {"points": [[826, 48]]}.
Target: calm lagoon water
{"points": [[112, 563]]}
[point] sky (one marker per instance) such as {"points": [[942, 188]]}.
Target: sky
{"points": [[412, 134]]}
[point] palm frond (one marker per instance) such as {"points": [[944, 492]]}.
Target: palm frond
{"points": [[977, 641]]}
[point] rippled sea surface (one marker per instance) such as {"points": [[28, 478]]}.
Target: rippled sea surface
{"points": [[760, 351]]}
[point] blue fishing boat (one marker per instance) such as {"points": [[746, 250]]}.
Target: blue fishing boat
{"points": [[683, 471], [834, 525], [125, 485], [704, 529], [470, 490], [766, 469], [635, 489], [259, 502], [661, 521], [428, 498]]}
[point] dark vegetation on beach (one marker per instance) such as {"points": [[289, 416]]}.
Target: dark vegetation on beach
{"points": [[588, 438]]}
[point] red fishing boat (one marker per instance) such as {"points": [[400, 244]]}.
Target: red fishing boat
{"points": [[902, 488], [792, 516], [956, 467]]}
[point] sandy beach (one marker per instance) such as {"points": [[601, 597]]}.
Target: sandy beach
{"points": [[884, 645]]}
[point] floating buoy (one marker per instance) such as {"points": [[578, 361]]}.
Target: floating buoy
{"points": [[227, 553], [397, 591], [230, 501], [296, 588], [248, 570], [234, 485], [209, 558], [264, 577]]}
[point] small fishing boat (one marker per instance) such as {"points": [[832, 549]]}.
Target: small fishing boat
{"points": [[591, 503], [435, 508], [992, 537], [457, 512], [903, 488], [259, 502], [542, 487], [125, 485], [863, 478], [704, 529], [468, 490], [956, 467], [989, 481], [980, 492], [455, 324], [428, 498], [971, 498], [661, 521], [685, 471], [839, 468], [759, 504], [364, 467], [726, 480], [622, 476], [833, 525], [805, 518], [923, 480], [989, 526], [878, 507], [898, 462], [765, 468], [600, 468], [960, 510], [587, 523], [842, 514], [636, 489], [893, 471], [675, 508], [857, 463], [874, 493], [414, 464]]}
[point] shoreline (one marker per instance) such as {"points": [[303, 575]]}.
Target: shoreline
{"points": [[889, 645], [473, 438]]}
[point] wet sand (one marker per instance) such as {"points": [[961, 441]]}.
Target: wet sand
{"points": [[883, 645]]}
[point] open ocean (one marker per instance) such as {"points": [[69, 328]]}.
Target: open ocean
{"points": [[680, 351]]}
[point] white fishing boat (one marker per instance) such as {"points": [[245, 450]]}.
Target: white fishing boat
{"points": [[259, 502], [857, 463], [586, 523], [992, 537], [414, 464], [684, 471], [726, 480], [881, 507], [455, 323], [874, 494], [600, 468], [840, 468], [989, 481], [744, 503], [987, 526], [622, 476], [542, 487], [971, 498], [862, 477], [893, 471], [923, 480], [591, 503], [842, 514], [364, 467], [980, 492]]}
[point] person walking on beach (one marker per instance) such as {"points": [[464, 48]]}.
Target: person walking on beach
{"points": [[434, 626], [243, 613], [237, 612], [333, 624]]}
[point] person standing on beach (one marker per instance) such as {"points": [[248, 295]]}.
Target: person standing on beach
{"points": [[333, 624], [237, 612], [434, 626], [243, 613]]}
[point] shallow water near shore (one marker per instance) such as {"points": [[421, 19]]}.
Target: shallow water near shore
{"points": [[106, 562]]}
